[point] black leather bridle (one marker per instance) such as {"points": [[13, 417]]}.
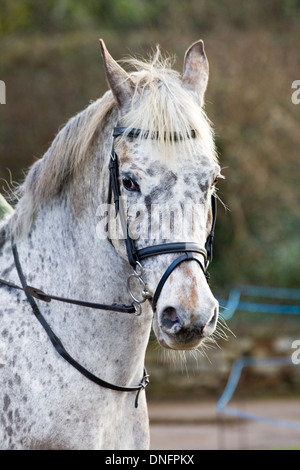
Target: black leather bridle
{"points": [[190, 250]]}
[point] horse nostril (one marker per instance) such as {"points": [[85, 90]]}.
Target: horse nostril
{"points": [[211, 324], [172, 323], [170, 320]]}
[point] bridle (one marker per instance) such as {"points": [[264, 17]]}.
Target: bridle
{"points": [[190, 250]]}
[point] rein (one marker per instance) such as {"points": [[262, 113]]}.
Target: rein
{"points": [[190, 250], [41, 295], [59, 347]]}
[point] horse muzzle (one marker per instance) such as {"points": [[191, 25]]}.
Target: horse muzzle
{"points": [[178, 328]]}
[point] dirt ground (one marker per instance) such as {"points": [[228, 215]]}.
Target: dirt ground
{"points": [[196, 425]]}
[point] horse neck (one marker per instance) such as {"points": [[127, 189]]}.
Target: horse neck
{"points": [[63, 256]]}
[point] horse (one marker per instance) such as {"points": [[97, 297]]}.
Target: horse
{"points": [[72, 370]]}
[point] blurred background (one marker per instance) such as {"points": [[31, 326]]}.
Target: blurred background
{"points": [[50, 62]]}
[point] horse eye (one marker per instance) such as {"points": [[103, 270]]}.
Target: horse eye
{"points": [[129, 184], [215, 181]]}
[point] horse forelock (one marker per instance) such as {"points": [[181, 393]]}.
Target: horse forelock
{"points": [[162, 107]]}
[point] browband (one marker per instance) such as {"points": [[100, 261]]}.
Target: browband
{"points": [[166, 248], [176, 136]]}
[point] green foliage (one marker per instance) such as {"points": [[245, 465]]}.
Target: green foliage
{"points": [[25, 16], [5, 208]]}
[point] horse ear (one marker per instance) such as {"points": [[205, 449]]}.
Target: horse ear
{"points": [[118, 80], [196, 70]]}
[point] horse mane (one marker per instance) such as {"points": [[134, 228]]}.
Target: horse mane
{"points": [[160, 105]]}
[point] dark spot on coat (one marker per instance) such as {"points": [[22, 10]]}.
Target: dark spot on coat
{"points": [[186, 180], [5, 332], [8, 270], [17, 379], [17, 415], [151, 172], [6, 403], [204, 187], [154, 194], [148, 203], [188, 195], [9, 431], [10, 416], [169, 180]]}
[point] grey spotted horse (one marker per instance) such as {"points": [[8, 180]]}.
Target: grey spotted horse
{"points": [[72, 370]]}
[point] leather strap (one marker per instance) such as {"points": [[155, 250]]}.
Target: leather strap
{"points": [[166, 248], [40, 295], [114, 190], [188, 256], [113, 181], [59, 347], [210, 238], [176, 136]]}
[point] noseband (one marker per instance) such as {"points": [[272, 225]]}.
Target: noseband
{"points": [[190, 250]]}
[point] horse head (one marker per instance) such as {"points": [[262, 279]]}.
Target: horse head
{"points": [[167, 171]]}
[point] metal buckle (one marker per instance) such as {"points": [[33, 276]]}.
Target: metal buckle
{"points": [[138, 309], [145, 294]]}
